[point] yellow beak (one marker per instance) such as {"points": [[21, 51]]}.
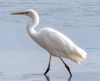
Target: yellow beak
{"points": [[19, 13]]}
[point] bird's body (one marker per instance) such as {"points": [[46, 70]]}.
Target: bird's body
{"points": [[56, 43]]}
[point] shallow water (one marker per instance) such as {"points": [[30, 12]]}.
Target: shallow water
{"points": [[21, 59]]}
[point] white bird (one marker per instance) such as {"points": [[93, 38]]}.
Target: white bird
{"points": [[56, 43]]}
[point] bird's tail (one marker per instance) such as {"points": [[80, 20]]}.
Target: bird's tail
{"points": [[78, 55]]}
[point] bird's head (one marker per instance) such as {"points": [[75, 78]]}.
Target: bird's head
{"points": [[30, 13]]}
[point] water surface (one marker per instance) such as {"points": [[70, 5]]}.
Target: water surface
{"points": [[21, 59]]}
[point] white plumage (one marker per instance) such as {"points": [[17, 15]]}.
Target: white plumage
{"points": [[56, 43], [60, 45]]}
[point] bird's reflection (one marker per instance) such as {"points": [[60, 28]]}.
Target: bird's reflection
{"points": [[48, 79], [69, 79]]}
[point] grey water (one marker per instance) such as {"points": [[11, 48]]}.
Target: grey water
{"points": [[21, 59]]}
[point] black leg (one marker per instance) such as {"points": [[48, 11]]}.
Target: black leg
{"points": [[48, 68], [67, 67]]}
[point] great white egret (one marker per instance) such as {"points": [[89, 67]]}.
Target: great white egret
{"points": [[56, 43]]}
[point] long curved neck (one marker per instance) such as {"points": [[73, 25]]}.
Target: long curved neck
{"points": [[32, 24], [31, 29]]}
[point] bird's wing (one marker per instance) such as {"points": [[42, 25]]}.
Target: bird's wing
{"points": [[56, 41], [60, 45]]}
